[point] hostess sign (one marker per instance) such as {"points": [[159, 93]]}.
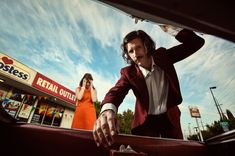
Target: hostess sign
{"points": [[15, 70], [51, 87]]}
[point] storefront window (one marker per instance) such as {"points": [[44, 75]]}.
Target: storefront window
{"points": [[47, 113], [11, 106], [21, 106], [58, 116], [30, 108], [12, 102], [27, 107]]}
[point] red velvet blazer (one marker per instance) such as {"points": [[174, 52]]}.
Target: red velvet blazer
{"points": [[132, 78]]}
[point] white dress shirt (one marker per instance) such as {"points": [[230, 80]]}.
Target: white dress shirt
{"points": [[157, 85]]}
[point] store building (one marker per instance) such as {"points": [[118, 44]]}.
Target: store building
{"points": [[31, 97]]}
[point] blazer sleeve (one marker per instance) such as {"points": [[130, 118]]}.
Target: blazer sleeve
{"points": [[190, 43], [117, 93]]}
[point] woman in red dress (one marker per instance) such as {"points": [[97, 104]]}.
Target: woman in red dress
{"points": [[86, 95]]}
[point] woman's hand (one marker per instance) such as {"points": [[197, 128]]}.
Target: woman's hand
{"points": [[84, 83]]}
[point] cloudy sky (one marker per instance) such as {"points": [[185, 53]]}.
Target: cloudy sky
{"points": [[64, 39]]}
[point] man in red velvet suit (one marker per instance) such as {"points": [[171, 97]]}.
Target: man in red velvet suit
{"points": [[154, 82]]}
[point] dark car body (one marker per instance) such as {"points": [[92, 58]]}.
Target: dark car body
{"points": [[206, 16]]}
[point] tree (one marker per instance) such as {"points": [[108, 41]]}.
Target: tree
{"points": [[229, 114], [193, 137], [231, 124], [97, 108], [125, 120], [212, 130]]}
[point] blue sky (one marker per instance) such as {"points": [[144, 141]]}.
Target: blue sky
{"points": [[64, 39]]}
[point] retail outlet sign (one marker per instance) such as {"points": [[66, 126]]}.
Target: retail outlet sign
{"points": [[49, 86], [15, 70]]}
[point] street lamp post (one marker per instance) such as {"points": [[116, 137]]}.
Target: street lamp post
{"points": [[189, 129], [216, 102], [200, 133]]}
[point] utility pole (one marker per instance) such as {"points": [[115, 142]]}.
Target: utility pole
{"points": [[189, 129], [196, 131], [223, 121], [216, 102], [202, 124], [200, 133], [222, 113]]}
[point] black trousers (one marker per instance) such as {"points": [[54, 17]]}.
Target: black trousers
{"points": [[158, 126]]}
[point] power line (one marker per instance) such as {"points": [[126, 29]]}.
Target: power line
{"points": [[225, 92]]}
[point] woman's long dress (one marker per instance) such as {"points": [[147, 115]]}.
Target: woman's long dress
{"points": [[85, 114]]}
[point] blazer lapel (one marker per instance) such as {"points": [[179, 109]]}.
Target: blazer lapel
{"points": [[138, 81]]}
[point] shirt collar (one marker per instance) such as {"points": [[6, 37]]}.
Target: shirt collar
{"points": [[144, 71]]}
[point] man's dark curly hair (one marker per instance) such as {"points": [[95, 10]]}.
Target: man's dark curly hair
{"points": [[148, 43]]}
